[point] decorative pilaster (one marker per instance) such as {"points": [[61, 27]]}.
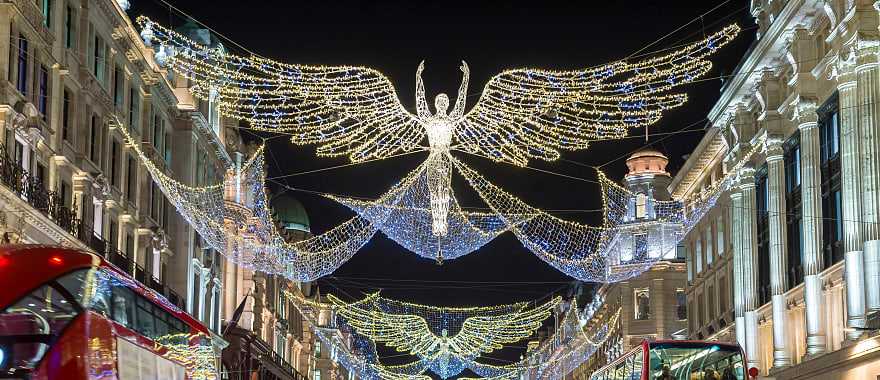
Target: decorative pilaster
{"points": [[811, 195], [869, 152], [749, 262], [777, 223], [736, 228]]}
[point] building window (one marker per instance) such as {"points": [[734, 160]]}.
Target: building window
{"points": [[698, 251], [719, 231], [43, 92], [723, 295], [318, 349], [793, 211], [65, 194], [762, 218], [133, 108], [114, 233], [129, 245], [118, 83], [114, 163], [316, 375], [167, 144], [95, 134], [69, 31], [709, 250], [641, 206], [98, 59], [47, 12], [832, 225], [132, 180], [155, 201], [700, 319], [680, 304], [22, 65], [65, 115], [642, 304]]}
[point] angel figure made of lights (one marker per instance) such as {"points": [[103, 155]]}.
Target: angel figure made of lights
{"points": [[521, 114]]}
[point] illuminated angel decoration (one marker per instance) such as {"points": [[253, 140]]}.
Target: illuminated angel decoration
{"points": [[521, 114], [447, 340]]}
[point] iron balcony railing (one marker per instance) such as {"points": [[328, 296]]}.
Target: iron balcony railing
{"points": [[51, 204]]}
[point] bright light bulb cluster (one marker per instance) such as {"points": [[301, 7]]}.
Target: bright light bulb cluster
{"points": [[521, 114]]}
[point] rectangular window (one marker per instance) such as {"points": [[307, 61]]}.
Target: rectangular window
{"points": [[698, 251], [65, 194], [710, 304], [680, 304], [167, 144], [65, 115], [131, 186], [68, 28], [829, 136], [22, 65], [155, 201], [318, 349], [129, 245], [114, 163], [317, 374], [41, 175], [114, 234], [762, 217], [43, 91], [133, 108], [47, 13], [118, 83], [723, 295], [95, 143], [99, 59], [794, 213], [709, 250], [642, 304], [719, 230]]}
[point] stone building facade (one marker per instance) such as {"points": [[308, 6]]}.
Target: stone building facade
{"points": [[67, 69], [787, 263]]}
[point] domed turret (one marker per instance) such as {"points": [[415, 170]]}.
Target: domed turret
{"points": [[290, 213], [647, 174]]}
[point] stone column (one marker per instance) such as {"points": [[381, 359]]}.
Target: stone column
{"points": [[749, 262], [850, 197], [869, 149], [778, 234], [736, 202], [811, 195]]}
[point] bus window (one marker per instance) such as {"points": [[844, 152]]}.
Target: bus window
{"points": [[695, 361], [34, 322], [145, 323], [122, 306]]}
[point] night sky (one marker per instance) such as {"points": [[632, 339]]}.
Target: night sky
{"points": [[393, 36]]}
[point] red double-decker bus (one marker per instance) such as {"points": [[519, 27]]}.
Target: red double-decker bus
{"points": [[68, 314], [677, 360]]}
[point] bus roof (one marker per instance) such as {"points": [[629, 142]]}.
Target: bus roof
{"points": [[26, 267]]}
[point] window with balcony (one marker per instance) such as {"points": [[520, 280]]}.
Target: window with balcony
{"points": [[22, 68], [65, 194], [793, 211], [832, 225], [43, 93], [129, 245], [762, 218], [114, 233]]}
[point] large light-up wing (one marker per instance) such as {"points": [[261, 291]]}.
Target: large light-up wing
{"points": [[487, 333], [346, 110], [404, 332], [526, 113]]}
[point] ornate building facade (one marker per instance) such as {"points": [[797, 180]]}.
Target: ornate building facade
{"points": [[787, 264]]}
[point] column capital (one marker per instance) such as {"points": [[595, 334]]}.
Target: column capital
{"points": [[802, 110], [746, 177], [773, 147]]}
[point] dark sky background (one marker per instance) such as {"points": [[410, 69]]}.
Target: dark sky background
{"points": [[393, 36]]}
